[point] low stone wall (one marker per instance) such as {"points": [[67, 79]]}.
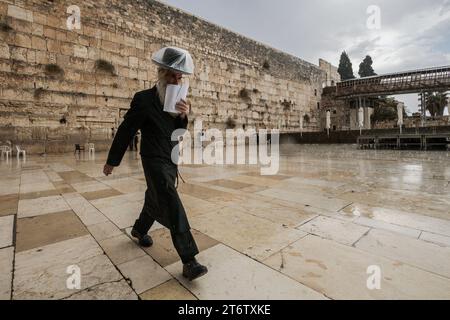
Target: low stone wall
{"points": [[415, 122], [350, 136]]}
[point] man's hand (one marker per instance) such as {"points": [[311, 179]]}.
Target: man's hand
{"points": [[107, 169], [183, 107]]}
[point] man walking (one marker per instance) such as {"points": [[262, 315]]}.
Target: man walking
{"points": [[162, 202]]}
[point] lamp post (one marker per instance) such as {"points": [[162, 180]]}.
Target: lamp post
{"points": [[360, 119], [301, 124], [328, 122], [400, 107]]}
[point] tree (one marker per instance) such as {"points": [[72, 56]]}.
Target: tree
{"points": [[365, 68], [436, 103], [345, 67], [385, 110]]}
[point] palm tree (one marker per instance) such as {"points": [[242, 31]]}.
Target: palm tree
{"points": [[436, 103]]}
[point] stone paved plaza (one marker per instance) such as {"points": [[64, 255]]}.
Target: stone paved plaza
{"points": [[310, 232]]}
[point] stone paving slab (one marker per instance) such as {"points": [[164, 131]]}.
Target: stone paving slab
{"points": [[377, 224], [121, 249], [246, 233], [40, 206], [232, 275], [46, 229], [41, 273], [163, 251], [289, 215], [115, 290], [435, 238], [6, 231], [8, 204], [398, 217], [9, 186], [144, 273], [36, 187], [340, 231], [127, 185], [425, 255], [6, 267], [123, 215], [100, 194], [170, 290], [314, 200], [104, 230], [87, 213], [340, 272]]}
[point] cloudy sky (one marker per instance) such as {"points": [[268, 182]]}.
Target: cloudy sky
{"points": [[413, 33]]}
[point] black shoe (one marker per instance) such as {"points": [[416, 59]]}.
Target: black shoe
{"points": [[193, 270], [144, 240]]}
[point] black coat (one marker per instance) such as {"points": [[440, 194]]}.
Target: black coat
{"points": [[146, 113], [162, 202]]}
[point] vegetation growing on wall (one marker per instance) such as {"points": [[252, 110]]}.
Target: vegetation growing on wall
{"points": [[287, 105], [38, 93], [53, 70], [5, 27], [230, 123], [104, 67], [244, 94]]}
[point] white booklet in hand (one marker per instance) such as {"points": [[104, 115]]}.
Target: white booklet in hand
{"points": [[174, 94]]}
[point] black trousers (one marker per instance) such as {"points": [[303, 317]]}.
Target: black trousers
{"points": [[163, 204]]}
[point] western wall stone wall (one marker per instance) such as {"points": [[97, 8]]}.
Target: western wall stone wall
{"points": [[59, 86]]}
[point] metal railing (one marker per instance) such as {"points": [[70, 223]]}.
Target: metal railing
{"points": [[433, 79]]}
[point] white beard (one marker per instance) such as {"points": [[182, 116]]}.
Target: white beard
{"points": [[161, 88]]}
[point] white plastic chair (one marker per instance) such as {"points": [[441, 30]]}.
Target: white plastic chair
{"points": [[6, 150], [91, 147], [20, 151]]}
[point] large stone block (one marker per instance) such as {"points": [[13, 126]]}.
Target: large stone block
{"points": [[80, 51], [92, 32], [19, 54], [54, 22], [53, 46], [129, 41], [4, 51], [31, 56], [133, 62], [38, 43], [61, 35], [20, 13], [41, 57], [110, 46], [3, 9], [37, 29], [22, 40], [40, 18], [22, 26], [66, 48], [49, 33], [83, 40]]}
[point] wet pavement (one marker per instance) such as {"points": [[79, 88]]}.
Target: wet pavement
{"points": [[313, 231]]}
